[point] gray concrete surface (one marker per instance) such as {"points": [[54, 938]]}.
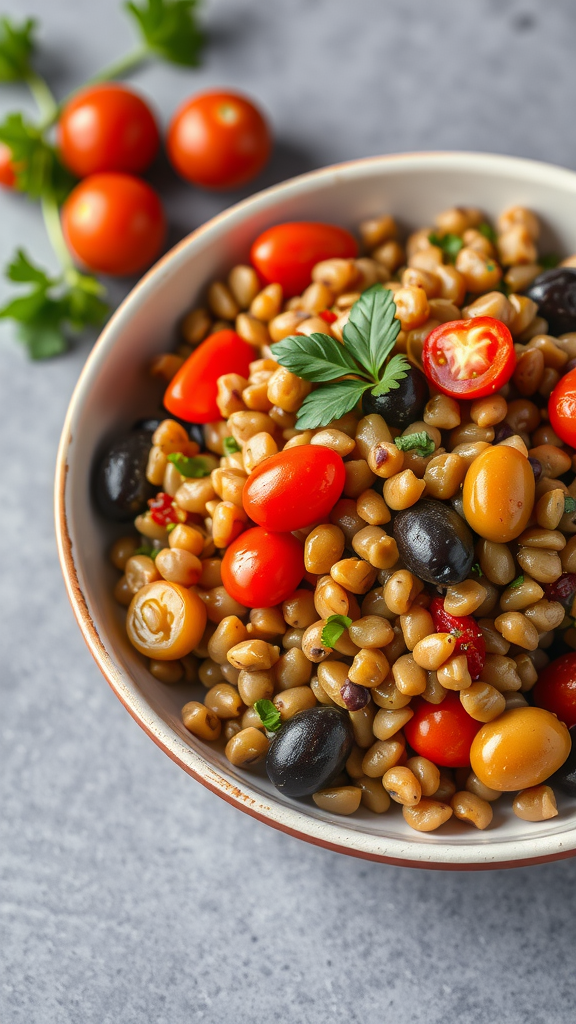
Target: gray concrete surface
{"points": [[130, 895]]}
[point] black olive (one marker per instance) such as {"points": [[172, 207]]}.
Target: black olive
{"points": [[120, 484], [149, 424], [434, 542], [565, 777], [554, 292], [309, 750], [403, 405]]}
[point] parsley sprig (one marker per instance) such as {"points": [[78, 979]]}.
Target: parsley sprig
{"points": [[420, 442], [449, 243], [346, 371], [334, 628], [269, 714]]}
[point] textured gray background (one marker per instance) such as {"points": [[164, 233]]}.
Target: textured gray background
{"points": [[130, 894]]}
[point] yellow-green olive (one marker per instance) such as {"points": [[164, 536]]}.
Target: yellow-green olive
{"points": [[165, 621], [498, 493], [519, 749]]}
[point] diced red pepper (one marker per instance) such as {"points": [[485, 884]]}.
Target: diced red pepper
{"points": [[328, 316], [164, 511], [469, 637]]}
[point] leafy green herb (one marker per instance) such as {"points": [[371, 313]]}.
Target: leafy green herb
{"points": [[269, 714], [16, 46], [230, 446], [476, 568], [516, 583], [420, 442], [194, 466], [151, 552], [449, 243], [350, 369], [333, 629], [488, 231], [569, 505], [170, 527], [51, 305], [38, 170], [549, 261], [170, 29]]}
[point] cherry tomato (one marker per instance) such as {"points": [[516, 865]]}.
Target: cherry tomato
{"points": [[294, 488], [114, 223], [469, 637], [556, 689], [442, 732], [7, 175], [191, 394], [562, 408], [287, 252], [261, 569], [469, 358], [107, 128], [218, 140]]}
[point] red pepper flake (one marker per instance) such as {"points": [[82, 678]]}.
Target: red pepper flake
{"points": [[163, 510], [328, 316]]}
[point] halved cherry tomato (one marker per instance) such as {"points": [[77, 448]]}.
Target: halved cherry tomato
{"points": [[261, 569], [114, 223], [107, 127], [469, 637], [218, 140], [287, 252], [294, 488], [7, 175], [442, 732], [562, 408], [469, 358], [556, 689], [191, 394]]}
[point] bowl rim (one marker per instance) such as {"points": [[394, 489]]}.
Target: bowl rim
{"points": [[287, 818]]}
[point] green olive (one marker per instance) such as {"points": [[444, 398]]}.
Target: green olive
{"points": [[498, 493], [520, 748]]}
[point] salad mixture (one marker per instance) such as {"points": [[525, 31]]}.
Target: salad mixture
{"points": [[355, 517]]}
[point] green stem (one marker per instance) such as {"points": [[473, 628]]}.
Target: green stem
{"points": [[44, 97], [122, 65], [51, 215]]}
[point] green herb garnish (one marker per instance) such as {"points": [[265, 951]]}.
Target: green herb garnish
{"points": [[350, 369], [170, 527], [450, 244], [333, 629], [488, 231], [476, 568], [269, 714], [230, 446], [569, 505], [151, 552], [37, 167], [549, 261], [420, 442], [516, 583], [194, 466], [170, 30], [16, 46]]}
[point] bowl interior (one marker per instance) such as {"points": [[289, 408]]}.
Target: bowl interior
{"points": [[114, 390]]}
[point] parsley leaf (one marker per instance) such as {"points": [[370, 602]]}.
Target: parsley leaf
{"points": [[396, 370], [330, 403], [569, 505], [230, 446], [269, 714], [420, 442], [170, 29], [516, 583], [316, 357], [194, 467], [151, 552], [549, 261], [333, 629], [476, 568], [38, 170], [372, 329], [449, 243], [16, 46], [488, 231]]}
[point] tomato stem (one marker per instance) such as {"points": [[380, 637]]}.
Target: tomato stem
{"points": [[121, 66], [51, 215], [44, 97]]}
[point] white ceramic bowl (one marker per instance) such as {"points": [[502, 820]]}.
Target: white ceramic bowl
{"points": [[113, 391]]}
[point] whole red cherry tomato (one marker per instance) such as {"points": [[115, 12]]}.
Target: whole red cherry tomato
{"points": [[556, 689], [261, 569], [442, 732], [191, 394], [107, 128], [218, 140], [7, 175], [469, 358], [294, 488], [114, 223], [287, 252], [562, 408], [469, 637]]}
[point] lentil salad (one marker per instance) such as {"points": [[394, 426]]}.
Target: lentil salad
{"points": [[392, 630]]}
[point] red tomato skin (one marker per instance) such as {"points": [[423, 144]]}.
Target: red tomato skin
{"points": [[261, 569], [286, 253], [218, 140], [442, 732], [191, 394], [295, 488], [469, 637], [562, 408], [502, 358], [555, 690], [7, 175], [107, 127], [114, 223]]}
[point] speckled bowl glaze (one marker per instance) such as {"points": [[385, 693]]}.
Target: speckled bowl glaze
{"points": [[114, 390]]}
